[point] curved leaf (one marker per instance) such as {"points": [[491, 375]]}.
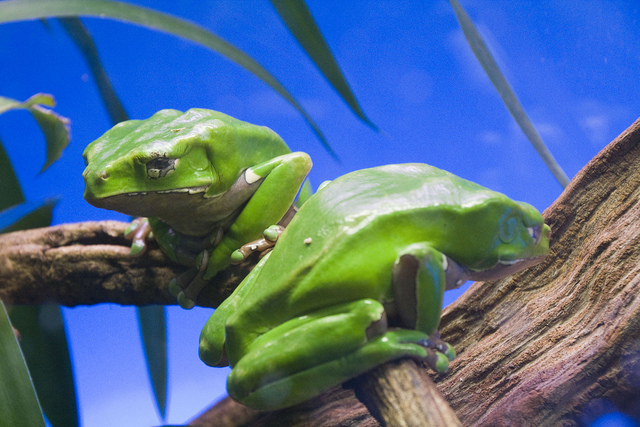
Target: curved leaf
{"points": [[151, 319], [506, 92], [44, 344], [12, 11], [296, 16], [18, 402], [54, 127], [154, 338]]}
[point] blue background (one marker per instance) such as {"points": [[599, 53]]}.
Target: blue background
{"points": [[574, 66]]}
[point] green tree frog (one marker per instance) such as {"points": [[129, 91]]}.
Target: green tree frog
{"points": [[207, 182], [357, 278]]}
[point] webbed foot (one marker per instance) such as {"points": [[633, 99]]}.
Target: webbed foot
{"points": [[188, 285], [439, 353], [138, 231]]}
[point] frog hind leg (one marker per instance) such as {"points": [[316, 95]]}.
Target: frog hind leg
{"points": [[305, 356]]}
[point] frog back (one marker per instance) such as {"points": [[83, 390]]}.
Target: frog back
{"points": [[343, 242]]}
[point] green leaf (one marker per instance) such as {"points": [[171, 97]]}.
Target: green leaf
{"points": [[11, 191], [296, 16], [82, 39], [506, 92], [12, 11], [27, 215], [18, 401], [54, 127], [44, 344], [154, 338]]}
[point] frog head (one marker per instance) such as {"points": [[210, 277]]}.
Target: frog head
{"points": [[166, 165], [503, 237]]}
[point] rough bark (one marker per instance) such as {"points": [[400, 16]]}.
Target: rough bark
{"points": [[558, 344], [89, 263]]}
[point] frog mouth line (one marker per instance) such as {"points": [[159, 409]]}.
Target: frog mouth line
{"points": [[505, 268], [189, 190]]}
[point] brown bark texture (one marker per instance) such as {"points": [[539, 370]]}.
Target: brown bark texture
{"points": [[89, 263], [558, 344]]}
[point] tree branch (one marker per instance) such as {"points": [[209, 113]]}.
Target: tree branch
{"points": [[89, 263]]}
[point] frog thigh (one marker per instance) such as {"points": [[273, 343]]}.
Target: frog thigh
{"points": [[212, 338], [308, 355]]}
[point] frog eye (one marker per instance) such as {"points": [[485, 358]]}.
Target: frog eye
{"points": [[535, 232], [508, 229], [161, 167]]}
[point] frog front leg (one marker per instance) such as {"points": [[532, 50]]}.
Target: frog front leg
{"points": [[279, 181]]}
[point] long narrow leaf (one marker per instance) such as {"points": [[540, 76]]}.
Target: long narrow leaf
{"points": [[26, 215], [18, 402], [45, 349], [154, 337], [506, 92], [11, 192], [296, 16], [84, 41], [151, 319], [12, 11], [54, 127]]}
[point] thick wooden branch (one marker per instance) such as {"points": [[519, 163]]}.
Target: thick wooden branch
{"points": [[89, 263], [558, 344]]}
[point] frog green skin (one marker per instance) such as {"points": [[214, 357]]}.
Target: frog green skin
{"points": [[357, 278], [208, 183]]}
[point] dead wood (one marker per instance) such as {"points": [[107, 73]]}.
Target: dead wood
{"points": [[89, 263], [558, 344]]}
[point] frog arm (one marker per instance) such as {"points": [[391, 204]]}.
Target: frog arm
{"points": [[421, 274], [305, 192], [281, 178]]}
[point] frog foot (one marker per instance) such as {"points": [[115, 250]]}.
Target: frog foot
{"points": [[188, 285], [138, 232], [439, 353], [269, 238]]}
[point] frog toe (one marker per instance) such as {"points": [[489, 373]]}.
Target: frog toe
{"points": [[174, 288], [185, 302], [439, 353], [437, 361]]}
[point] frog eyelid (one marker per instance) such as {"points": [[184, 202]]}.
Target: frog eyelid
{"points": [[160, 167], [535, 232]]}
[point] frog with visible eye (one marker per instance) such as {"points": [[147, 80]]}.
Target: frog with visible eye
{"points": [[208, 183], [357, 278]]}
